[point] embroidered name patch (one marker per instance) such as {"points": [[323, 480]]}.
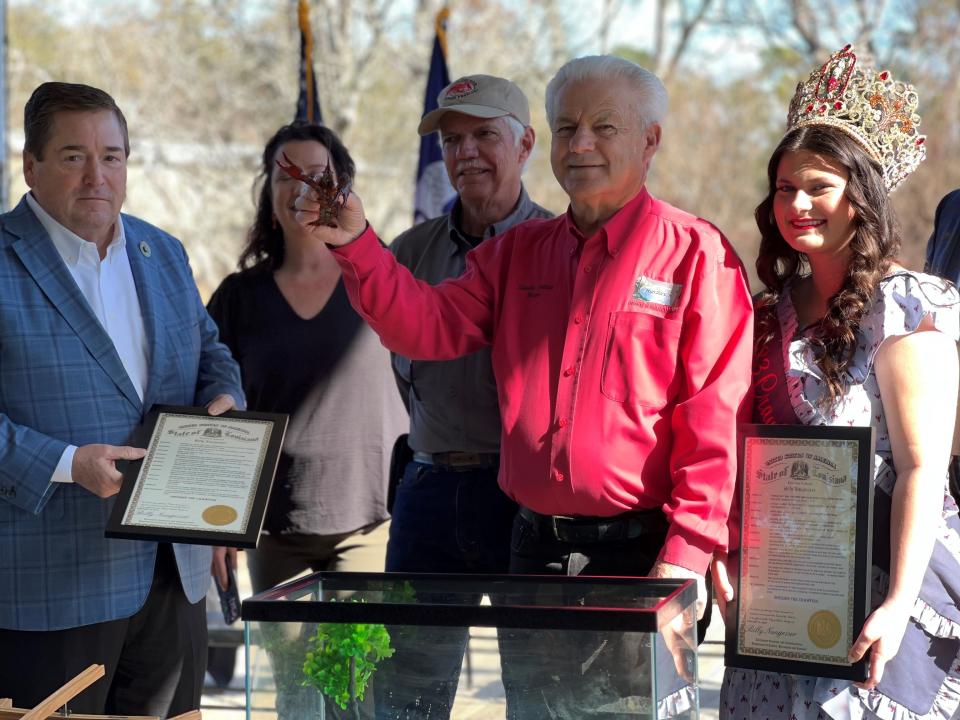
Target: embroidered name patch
{"points": [[656, 291]]}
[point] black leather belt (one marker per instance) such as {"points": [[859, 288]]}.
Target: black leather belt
{"points": [[458, 459], [593, 529]]}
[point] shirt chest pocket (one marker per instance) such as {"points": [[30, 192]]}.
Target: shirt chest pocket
{"points": [[640, 359]]}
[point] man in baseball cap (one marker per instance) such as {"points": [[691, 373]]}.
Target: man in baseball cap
{"points": [[450, 514]]}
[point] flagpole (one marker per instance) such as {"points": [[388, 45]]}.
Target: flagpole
{"points": [[440, 28], [308, 104]]}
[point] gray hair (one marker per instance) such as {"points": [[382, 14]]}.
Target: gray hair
{"points": [[651, 94], [516, 128]]}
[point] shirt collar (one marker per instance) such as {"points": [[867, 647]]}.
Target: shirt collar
{"points": [[67, 242], [521, 211], [617, 229]]}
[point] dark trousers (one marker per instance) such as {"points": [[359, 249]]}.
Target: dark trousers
{"points": [[571, 675], [154, 660], [445, 520], [279, 558]]}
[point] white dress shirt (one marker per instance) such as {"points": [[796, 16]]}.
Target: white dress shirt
{"points": [[111, 293]]}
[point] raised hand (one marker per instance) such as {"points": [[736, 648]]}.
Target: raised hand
{"points": [[331, 212]]}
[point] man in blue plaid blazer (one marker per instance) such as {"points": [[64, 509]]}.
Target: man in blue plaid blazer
{"points": [[99, 320]]}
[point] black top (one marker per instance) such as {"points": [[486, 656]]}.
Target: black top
{"points": [[332, 376]]}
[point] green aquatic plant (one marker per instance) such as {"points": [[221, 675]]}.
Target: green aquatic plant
{"points": [[342, 658]]}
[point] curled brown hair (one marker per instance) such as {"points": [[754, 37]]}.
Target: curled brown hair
{"points": [[875, 244]]}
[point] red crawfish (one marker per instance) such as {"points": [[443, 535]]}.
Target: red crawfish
{"points": [[331, 195]]}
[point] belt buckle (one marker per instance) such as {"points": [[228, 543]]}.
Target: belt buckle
{"points": [[458, 459], [593, 531], [569, 531], [554, 528], [613, 529]]}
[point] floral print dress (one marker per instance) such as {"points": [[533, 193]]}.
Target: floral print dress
{"points": [[923, 680]]}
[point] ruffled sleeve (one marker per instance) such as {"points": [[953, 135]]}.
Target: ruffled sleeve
{"points": [[903, 301]]}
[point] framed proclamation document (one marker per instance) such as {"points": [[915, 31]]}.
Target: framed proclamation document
{"points": [[205, 479], [806, 495]]}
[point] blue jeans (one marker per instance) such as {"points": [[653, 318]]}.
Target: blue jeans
{"points": [[445, 520]]}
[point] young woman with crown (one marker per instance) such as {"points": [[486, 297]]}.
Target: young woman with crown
{"points": [[847, 336]]}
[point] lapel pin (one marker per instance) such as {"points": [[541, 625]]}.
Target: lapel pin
{"points": [[145, 248]]}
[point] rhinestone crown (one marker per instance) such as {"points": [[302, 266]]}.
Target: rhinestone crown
{"points": [[880, 113]]}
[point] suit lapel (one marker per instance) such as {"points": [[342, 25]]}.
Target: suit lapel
{"points": [[144, 269], [41, 259]]}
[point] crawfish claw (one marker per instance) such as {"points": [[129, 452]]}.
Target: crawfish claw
{"points": [[330, 196]]}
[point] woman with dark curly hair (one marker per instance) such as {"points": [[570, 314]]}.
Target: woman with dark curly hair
{"points": [[846, 336], [303, 350]]}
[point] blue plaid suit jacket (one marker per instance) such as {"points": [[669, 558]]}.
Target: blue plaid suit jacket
{"points": [[62, 382]]}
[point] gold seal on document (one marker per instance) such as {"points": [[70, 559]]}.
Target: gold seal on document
{"points": [[824, 629], [219, 515]]}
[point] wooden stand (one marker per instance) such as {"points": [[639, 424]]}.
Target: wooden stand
{"points": [[46, 710]]}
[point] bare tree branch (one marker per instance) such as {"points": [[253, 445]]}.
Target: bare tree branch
{"points": [[660, 33], [687, 27]]}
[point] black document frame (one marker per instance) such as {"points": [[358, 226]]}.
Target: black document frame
{"points": [[250, 533], [864, 436]]}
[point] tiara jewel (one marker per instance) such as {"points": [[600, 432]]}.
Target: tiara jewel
{"points": [[880, 113]]}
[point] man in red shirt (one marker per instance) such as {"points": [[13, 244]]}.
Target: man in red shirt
{"points": [[621, 338]]}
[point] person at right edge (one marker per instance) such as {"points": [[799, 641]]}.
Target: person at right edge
{"points": [[620, 337], [847, 336], [943, 259]]}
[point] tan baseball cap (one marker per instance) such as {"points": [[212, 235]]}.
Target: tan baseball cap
{"points": [[483, 96]]}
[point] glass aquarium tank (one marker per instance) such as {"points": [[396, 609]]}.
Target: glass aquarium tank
{"points": [[386, 646]]}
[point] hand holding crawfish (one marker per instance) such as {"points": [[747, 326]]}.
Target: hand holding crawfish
{"points": [[331, 195]]}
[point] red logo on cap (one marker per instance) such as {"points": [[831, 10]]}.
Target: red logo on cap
{"points": [[459, 89]]}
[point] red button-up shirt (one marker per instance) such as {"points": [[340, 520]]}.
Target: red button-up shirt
{"points": [[621, 359]]}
